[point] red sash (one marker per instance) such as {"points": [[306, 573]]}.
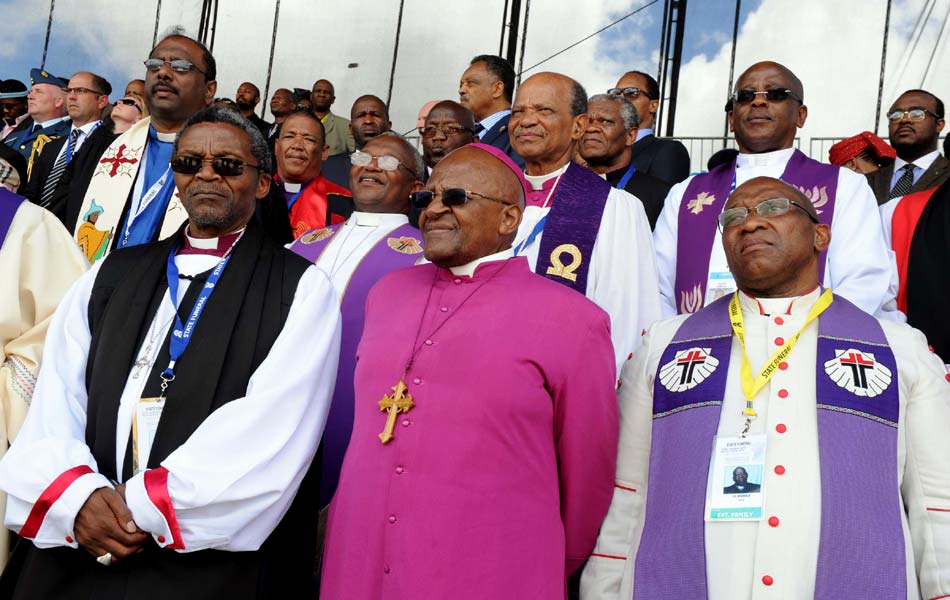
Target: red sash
{"points": [[903, 225]]}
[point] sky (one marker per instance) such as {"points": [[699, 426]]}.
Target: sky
{"points": [[834, 48]]}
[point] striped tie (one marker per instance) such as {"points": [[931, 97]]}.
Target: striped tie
{"points": [[903, 185], [58, 167]]}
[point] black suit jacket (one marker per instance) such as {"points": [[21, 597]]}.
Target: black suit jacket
{"points": [[336, 168], [650, 190], [16, 161], [497, 136], [42, 165], [261, 124], [750, 488], [662, 158], [880, 180]]}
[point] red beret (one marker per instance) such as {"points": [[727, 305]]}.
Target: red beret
{"points": [[847, 149]]}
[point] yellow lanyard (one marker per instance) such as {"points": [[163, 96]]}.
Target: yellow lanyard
{"points": [[751, 387]]}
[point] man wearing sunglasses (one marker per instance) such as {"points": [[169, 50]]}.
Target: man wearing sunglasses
{"points": [[765, 112], [577, 229], [662, 158], [87, 95], [369, 117], [375, 240], [841, 416], [492, 479], [132, 181], [191, 385], [915, 121]]}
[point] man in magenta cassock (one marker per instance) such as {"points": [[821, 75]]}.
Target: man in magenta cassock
{"points": [[485, 435]]}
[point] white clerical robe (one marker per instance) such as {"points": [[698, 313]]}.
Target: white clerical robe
{"points": [[860, 265], [38, 261], [622, 278], [226, 482], [740, 554]]}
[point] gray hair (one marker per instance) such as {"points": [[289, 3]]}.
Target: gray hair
{"points": [[420, 164], [217, 114], [628, 112]]}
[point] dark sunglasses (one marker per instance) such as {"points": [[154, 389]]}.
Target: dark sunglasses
{"points": [[450, 197], [127, 102], [629, 92], [772, 95], [222, 165]]}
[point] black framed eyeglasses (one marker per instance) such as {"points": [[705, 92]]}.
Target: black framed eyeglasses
{"points": [[771, 94], [914, 114], [82, 90], [446, 130], [180, 65], [222, 165], [450, 197], [629, 92], [773, 207]]}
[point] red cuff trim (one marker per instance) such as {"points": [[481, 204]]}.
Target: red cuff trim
{"points": [[156, 486], [946, 510], [49, 497], [609, 556], [939, 597], [623, 487]]}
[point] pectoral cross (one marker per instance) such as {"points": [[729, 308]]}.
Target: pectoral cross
{"points": [[140, 365], [399, 401]]}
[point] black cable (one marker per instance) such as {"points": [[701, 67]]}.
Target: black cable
{"points": [[524, 37], [392, 71], [930, 61], [270, 61], [598, 32], [49, 26], [158, 12]]}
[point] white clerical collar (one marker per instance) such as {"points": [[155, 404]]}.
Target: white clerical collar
{"points": [[643, 132], [292, 187], [469, 269], [368, 219], [165, 137], [764, 159], [923, 162], [537, 181], [210, 243], [778, 306]]}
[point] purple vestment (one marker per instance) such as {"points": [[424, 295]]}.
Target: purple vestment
{"points": [[9, 203], [861, 551]]}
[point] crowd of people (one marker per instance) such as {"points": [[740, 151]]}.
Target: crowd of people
{"points": [[537, 359]]}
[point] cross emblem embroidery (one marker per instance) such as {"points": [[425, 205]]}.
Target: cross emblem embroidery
{"points": [[859, 367], [688, 364], [118, 160], [701, 201]]}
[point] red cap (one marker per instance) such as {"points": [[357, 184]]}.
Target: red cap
{"points": [[847, 149]]}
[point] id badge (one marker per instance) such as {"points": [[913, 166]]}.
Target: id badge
{"points": [[148, 413], [736, 487], [720, 283]]}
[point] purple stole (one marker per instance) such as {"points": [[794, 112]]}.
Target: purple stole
{"points": [[400, 248], [571, 227], [9, 203], [705, 198], [861, 551]]}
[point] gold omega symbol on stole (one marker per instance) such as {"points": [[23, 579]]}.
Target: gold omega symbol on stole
{"points": [[560, 269]]}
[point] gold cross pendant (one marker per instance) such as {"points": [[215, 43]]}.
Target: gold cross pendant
{"points": [[395, 403]]}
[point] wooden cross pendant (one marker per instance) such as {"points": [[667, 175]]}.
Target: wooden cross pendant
{"points": [[395, 403]]}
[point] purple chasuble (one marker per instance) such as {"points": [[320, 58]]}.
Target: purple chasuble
{"points": [[571, 227], [705, 198], [400, 248], [861, 551], [9, 203]]}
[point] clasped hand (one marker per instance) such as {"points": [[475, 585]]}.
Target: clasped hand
{"points": [[104, 524]]}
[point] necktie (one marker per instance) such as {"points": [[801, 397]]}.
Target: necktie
{"points": [[905, 182], [479, 128], [57, 172]]}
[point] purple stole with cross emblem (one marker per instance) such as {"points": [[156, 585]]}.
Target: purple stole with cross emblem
{"points": [[861, 551], [9, 203], [400, 248], [705, 198], [571, 227]]}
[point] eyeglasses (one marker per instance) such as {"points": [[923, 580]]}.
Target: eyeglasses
{"points": [[772, 95], [773, 207], [82, 90], [450, 197], [629, 92], [128, 102], [179, 65], [384, 162], [222, 165], [914, 114], [446, 130]]}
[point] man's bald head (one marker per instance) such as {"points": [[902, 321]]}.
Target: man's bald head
{"points": [[774, 254], [794, 83], [763, 123]]}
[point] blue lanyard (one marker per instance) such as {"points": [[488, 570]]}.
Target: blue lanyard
{"points": [[626, 177], [292, 201], [181, 333], [538, 228]]}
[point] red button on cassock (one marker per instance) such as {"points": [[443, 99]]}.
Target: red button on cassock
{"points": [[783, 365], [161, 539], [779, 321], [773, 521], [69, 540], [779, 341], [781, 428], [779, 470], [783, 393], [767, 580]]}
